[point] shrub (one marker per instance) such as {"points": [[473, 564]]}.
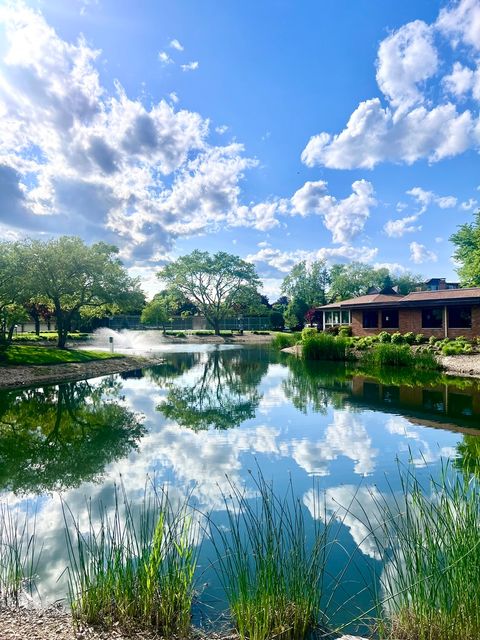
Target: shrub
{"points": [[397, 338], [333, 331], [420, 338], [180, 334], [409, 337], [345, 331], [384, 336], [324, 347], [307, 332], [432, 340]]}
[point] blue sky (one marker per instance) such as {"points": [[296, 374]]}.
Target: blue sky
{"points": [[277, 130]]}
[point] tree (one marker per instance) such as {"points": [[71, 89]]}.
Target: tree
{"points": [[215, 284], [307, 282], [13, 290], [354, 279], [295, 313], [158, 311], [467, 252], [408, 282], [75, 278]]}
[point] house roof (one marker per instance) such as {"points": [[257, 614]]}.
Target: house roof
{"points": [[416, 298], [360, 301]]}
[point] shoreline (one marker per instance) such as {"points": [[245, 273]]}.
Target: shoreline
{"points": [[465, 366], [21, 376]]}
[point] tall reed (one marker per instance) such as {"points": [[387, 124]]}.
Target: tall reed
{"points": [[431, 545], [134, 568], [395, 355], [19, 556], [283, 340], [324, 346], [273, 579]]}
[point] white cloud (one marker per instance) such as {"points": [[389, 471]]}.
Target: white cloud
{"points": [[401, 226], [425, 198], [406, 58], [165, 58], [469, 204], [345, 218], [173, 97], [420, 254], [283, 261], [221, 129], [175, 44], [190, 66], [411, 126]]}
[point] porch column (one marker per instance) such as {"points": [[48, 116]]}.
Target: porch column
{"points": [[445, 321]]}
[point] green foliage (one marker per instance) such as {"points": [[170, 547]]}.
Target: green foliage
{"points": [[74, 279], [345, 331], [409, 337], [324, 347], [354, 279], [277, 321], [429, 539], [158, 311], [295, 313], [307, 283], [456, 348], [432, 340], [134, 575], [29, 354], [467, 252], [398, 355], [420, 338], [397, 338], [219, 285], [19, 556], [384, 336], [284, 340], [50, 337], [308, 332], [273, 579]]}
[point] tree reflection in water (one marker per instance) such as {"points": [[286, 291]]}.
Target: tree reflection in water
{"points": [[56, 437], [224, 393]]}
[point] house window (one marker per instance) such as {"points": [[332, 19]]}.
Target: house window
{"points": [[336, 317], [370, 319], [390, 318], [432, 318], [460, 317]]}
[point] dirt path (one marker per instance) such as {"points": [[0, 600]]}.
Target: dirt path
{"points": [[27, 376]]}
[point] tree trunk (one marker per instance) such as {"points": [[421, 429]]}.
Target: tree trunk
{"points": [[10, 333], [216, 327], [61, 328]]}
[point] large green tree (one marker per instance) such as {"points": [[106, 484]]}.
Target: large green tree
{"points": [[74, 278], [307, 282], [14, 290], [354, 279], [467, 252], [218, 285]]}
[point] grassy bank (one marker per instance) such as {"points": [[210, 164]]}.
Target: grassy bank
{"points": [[16, 354]]}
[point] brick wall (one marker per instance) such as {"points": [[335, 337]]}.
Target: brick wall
{"points": [[411, 320]]}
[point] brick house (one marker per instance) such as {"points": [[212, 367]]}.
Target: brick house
{"points": [[441, 313]]}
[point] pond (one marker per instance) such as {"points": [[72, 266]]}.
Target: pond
{"points": [[210, 416]]}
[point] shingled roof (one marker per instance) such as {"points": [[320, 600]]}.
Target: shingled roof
{"points": [[415, 298]]}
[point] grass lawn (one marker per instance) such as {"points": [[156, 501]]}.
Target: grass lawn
{"points": [[31, 354]]}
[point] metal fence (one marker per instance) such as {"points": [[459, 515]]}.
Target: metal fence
{"points": [[194, 323]]}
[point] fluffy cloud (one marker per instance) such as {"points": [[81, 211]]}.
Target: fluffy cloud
{"points": [[190, 66], [401, 226], [344, 218], [420, 254], [283, 261], [75, 156], [410, 127], [175, 44]]}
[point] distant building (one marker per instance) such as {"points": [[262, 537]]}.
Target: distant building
{"points": [[440, 284], [446, 311]]}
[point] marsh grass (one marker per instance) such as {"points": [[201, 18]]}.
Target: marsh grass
{"points": [[324, 346], [272, 577], [284, 340], [396, 355], [430, 541], [134, 568], [19, 555]]}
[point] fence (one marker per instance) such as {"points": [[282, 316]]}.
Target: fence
{"points": [[194, 323]]}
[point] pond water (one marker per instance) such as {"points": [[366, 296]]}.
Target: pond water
{"points": [[208, 416]]}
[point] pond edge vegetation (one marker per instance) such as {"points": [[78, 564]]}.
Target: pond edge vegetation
{"points": [[133, 567]]}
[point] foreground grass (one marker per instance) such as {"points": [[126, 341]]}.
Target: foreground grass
{"points": [[34, 355], [134, 569], [432, 550], [272, 576]]}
